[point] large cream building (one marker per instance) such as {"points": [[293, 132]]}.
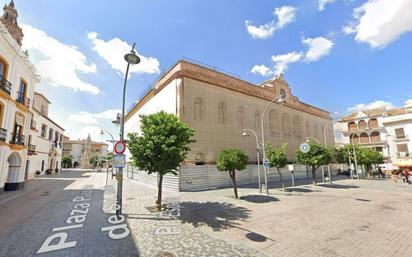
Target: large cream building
{"points": [[23, 150], [219, 106], [80, 151]]}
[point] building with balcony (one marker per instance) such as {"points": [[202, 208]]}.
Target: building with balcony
{"points": [[80, 151], [45, 138], [17, 80], [25, 146], [387, 130]]}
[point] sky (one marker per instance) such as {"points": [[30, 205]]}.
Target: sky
{"points": [[338, 55]]}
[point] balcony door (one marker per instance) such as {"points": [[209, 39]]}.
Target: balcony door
{"points": [[22, 91], [3, 67]]}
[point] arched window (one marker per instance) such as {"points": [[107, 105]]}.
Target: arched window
{"points": [[286, 124], [362, 124], [1, 116], [273, 122], [3, 68], [373, 123], [364, 138], [375, 136], [241, 116], [222, 113], [198, 112], [352, 126], [354, 139], [282, 93], [257, 119], [296, 126]]}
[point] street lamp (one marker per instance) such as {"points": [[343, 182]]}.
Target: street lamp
{"points": [[278, 100], [326, 145], [257, 154], [130, 58], [354, 156], [102, 132]]}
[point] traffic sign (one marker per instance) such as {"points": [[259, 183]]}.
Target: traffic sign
{"points": [[119, 160], [119, 147], [304, 147], [265, 163]]}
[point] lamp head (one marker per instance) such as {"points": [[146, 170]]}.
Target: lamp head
{"points": [[101, 132], [117, 120], [281, 100], [244, 134], [132, 57]]}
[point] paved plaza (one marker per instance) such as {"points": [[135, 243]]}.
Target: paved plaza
{"points": [[71, 214]]}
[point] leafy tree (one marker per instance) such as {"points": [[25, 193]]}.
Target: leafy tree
{"points": [[231, 160], [66, 161], [161, 147], [317, 156], [277, 158], [368, 156], [342, 154], [94, 160]]}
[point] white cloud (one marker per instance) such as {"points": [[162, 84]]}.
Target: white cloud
{"points": [[113, 52], [261, 32], [380, 22], [408, 103], [283, 60], [58, 63], [92, 118], [261, 70], [323, 3], [285, 14], [318, 47], [372, 105]]}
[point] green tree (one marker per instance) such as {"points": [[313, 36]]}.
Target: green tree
{"points": [[343, 153], [94, 160], [66, 161], [277, 158], [230, 160], [317, 156], [368, 157], [161, 147]]}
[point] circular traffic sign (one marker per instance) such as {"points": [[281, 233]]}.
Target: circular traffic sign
{"points": [[119, 147], [304, 147]]}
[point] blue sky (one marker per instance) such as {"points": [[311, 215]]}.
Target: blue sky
{"points": [[334, 56]]}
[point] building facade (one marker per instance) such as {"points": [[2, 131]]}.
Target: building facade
{"points": [[45, 139], [17, 80], [389, 131], [218, 107], [80, 151]]}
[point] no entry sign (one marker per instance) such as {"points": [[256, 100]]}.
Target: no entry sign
{"points": [[119, 147]]}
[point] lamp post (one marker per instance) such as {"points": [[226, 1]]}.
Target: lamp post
{"points": [[278, 100], [102, 132], [130, 58], [257, 154], [354, 156], [326, 145]]}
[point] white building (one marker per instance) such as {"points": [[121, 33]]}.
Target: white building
{"points": [[45, 140], [17, 80], [80, 151], [389, 131]]}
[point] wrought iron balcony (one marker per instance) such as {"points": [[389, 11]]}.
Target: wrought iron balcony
{"points": [[21, 98], [3, 134], [5, 85], [17, 139]]}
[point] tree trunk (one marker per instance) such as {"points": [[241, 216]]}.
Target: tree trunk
{"points": [[159, 194], [314, 176], [281, 179], [233, 177]]}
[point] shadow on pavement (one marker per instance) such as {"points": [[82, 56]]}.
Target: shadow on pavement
{"points": [[337, 186], [255, 237], [259, 198], [215, 215], [299, 190]]}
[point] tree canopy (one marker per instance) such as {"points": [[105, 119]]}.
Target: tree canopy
{"points": [[277, 158]]}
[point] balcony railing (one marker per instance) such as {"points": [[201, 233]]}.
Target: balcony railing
{"points": [[21, 98], [17, 139], [5, 85], [3, 134]]}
